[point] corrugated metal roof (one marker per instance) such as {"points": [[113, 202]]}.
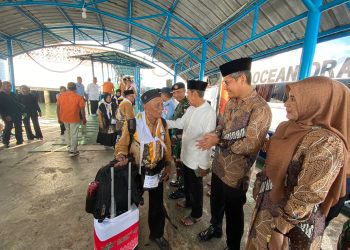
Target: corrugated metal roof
{"points": [[114, 58], [172, 31]]}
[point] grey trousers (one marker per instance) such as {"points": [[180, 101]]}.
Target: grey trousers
{"points": [[71, 135]]}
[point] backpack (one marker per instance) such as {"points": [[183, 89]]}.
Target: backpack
{"points": [[98, 198]]}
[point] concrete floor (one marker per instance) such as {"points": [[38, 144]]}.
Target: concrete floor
{"points": [[43, 199]]}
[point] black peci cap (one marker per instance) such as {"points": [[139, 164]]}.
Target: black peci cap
{"points": [[166, 90], [241, 64], [149, 95], [178, 85], [128, 92], [197, 85]]}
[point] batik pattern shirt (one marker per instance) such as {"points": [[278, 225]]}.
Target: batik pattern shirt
{"points": [[242, 130], [311, 173]]}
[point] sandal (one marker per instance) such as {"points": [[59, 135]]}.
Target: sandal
{"points": [[189, 220], [182, 204]]}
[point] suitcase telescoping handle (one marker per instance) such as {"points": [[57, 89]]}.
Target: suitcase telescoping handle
{"points": [[113, 208], [129, 185], [112, 194]]}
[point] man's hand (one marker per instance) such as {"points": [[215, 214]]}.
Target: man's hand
{"points": [[207, 141], [166, 173], [276, 241], [39, 114], [84, 120], [122, 160], [201, 172]]}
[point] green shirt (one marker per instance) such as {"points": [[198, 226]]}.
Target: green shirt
{"points": [[177, 133]]}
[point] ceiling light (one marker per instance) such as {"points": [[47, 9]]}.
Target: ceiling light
{"points": [[83, 13]]}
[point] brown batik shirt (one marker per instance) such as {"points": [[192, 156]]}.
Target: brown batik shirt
{"points": [[242, 130]]}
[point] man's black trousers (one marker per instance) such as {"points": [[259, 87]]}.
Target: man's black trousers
{"points": [[229, 201], [156, 212], [17, 123], [93, 107], [193, 191], [35, 121]]}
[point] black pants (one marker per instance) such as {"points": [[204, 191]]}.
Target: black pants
{"points": [[156, 212], [93, 107], [17, 123], [193, 191], [228, 200], [35, 121]]}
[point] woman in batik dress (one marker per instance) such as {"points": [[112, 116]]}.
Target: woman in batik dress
{"points": [[305, 169]]}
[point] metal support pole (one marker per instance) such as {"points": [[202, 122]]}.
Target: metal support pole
{"points": [[113, 75], [175, 73], [108, 70], [92, 68], [138, 88], [202, 66], [103, 74], [310, 38], [10, 64]]}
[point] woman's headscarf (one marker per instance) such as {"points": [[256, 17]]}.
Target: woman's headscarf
{"points": [[322, 102], [108, 105]]}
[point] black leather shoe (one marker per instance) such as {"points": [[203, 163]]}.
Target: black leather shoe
{"points": [[209, 233], [162, 243], [177, 194]]}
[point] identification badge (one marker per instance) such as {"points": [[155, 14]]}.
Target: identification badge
{"points": [[151, 181], [113, 121]]}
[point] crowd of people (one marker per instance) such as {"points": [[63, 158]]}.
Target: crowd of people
{"points": [[112, 107], [302, 181], [298, 189], [18, 108]]}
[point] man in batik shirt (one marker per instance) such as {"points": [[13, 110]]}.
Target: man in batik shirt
{"points": [[238, 138]]}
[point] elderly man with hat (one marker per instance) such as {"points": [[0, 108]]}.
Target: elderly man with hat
{"points": [[150, 150], [199, 119], [238, 138], [179, 94], [168, 103]]}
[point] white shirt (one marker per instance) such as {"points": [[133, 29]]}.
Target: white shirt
{"points": [[196, 122], [93, 92]]}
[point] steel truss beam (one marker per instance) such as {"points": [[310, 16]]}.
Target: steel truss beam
{"points": [[4, 56], [254, 36], [166, 25], [40, 25], [125, 36], [130, 27], [334, 33], [89, 7]]}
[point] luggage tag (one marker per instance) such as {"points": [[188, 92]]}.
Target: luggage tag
{"points": [[151, 181]]}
